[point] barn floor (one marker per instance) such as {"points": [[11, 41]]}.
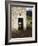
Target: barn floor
{"points": [[21, 34]]}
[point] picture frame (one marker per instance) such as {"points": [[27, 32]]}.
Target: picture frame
{"points": [[30, 10]]}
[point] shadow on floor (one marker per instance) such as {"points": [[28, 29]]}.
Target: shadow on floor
{"points": [[22, 33]]}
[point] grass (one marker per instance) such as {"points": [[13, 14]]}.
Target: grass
{"points": [[29, 21]]}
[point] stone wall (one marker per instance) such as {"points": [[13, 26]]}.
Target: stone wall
{"points": [[15, 14]]}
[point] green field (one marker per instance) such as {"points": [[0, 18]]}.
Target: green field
{"points": [[29, 21]]}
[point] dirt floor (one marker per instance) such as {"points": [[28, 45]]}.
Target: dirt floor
{"points": [[21, 34]]}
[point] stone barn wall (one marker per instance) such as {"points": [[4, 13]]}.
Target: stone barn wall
{"points": [[15, 11]]}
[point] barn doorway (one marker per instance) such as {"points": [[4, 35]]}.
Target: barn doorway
{"points": [[20, 23]]}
